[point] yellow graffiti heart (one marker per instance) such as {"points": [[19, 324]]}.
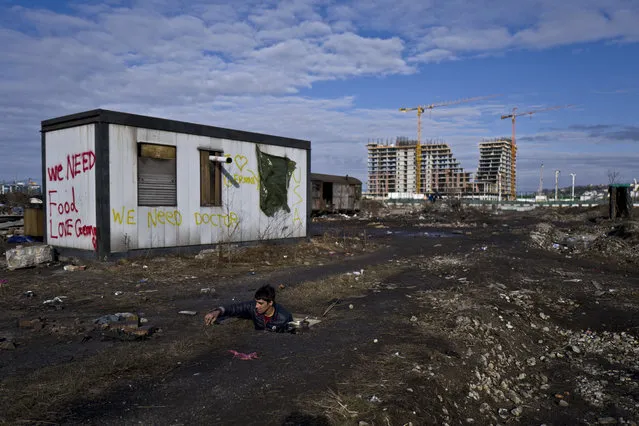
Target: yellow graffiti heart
{"points": [[240, 161]]}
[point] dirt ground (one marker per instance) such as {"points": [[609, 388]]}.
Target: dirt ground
{"points": [[441, 315]]}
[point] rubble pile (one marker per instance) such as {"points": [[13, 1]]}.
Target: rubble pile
{"points": [[513, 346], [620, 351], [620, 241]]}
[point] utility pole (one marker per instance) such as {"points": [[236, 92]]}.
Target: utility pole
{"points": [[573, 185], [499, 186], [541, 180], [556, 184]]}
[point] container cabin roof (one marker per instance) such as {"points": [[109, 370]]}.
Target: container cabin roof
{"points": [[155, 123]]}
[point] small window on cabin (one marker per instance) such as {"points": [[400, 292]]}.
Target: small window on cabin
{"points": [[210, 179], [157, 181]]}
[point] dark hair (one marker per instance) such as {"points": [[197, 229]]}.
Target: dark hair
{"points": [[265, 292]]}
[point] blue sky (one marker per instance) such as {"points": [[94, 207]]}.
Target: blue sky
{"points": [[336, 72]]}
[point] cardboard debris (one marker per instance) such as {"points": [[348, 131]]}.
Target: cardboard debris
{"points": [[75, 267], [303, 321], [124, 326], [35, 324]]}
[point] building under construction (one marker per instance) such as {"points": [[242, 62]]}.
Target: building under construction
{"points": [[496, 173], [393, 168]]}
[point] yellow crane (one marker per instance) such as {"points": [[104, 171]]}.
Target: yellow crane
{"points": [[513, 145], [420, 110]]}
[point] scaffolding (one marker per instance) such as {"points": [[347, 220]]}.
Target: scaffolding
{"points": [[393, 168], [496, 169]]}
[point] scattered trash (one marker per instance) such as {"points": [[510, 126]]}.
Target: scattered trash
{"points": [[7, 345], [35, 324], [191, 313], [351, 306], [375, 399], [118, 293], [516, 411], [543, 316], [55, 302], [282, 287], [4, 282], [302, 321], [243, 356], [145, 267], [207, 290], [127, 318], [124, 326], [331, 306], [27, 293], [144, 280], [413, 318], [375, 340], [574, 280], [17, 239], [75, 267]]}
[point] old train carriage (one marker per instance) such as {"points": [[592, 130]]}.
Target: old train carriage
{"points": [[333, 194]]}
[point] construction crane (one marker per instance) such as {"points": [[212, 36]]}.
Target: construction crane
{"points": [[420, 110], [513, 145]]}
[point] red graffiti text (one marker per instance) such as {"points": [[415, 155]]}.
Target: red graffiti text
{"points": [[63, 226], [78, 163]]}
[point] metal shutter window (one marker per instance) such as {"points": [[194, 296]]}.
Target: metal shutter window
{"points": [[157, 182]]}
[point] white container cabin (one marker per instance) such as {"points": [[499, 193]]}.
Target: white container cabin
{"points": [[118, 183]]}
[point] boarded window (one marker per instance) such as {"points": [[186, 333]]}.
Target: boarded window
{"points": [[275, 176], [210, 179], [157, 182]]}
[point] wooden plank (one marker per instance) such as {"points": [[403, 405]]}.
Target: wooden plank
{"points": [[165, 152], [205, 181]]}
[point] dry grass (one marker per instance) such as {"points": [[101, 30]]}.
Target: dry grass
{"points": [[313, 296], [47, 392], [337, 409]]}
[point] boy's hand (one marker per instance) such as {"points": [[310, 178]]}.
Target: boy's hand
{"points": [[211, 317]]}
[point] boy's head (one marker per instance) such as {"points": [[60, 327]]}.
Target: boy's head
{"points": [[264, 298]]}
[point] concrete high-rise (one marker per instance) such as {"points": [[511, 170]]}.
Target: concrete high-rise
{"points": [[393, 168], [496, 172]]}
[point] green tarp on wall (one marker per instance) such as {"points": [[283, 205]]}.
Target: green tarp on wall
{"points": [[275, 174]]}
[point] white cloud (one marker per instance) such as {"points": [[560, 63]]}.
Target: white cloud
{"points": [[244, 64], [434, 55]]}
